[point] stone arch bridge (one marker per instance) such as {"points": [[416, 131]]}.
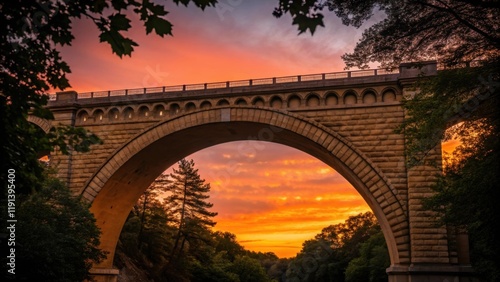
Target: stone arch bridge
{"points": [[345, 119]]}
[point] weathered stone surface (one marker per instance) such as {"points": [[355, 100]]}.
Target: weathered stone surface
{"points": [[144, 134]]}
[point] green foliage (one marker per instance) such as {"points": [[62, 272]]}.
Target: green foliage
{"points": [[173, 240], [248, 270], [303, 13], [28, 143], [30, 65], [226, 244], [277, 271], [68, 138], [214, 272], [348, 235], [317, 261], [327, 256], [462, 104], [467, 192], [450, 31], [371, 264], [146, 235], [449, 106], [56, 236], [358, 243]]}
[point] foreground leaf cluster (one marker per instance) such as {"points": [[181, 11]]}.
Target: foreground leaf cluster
{"points": [[56, 238]]}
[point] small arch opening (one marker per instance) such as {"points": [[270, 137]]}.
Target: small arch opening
{"points": [[312, 100], [159, 111], [241, 102], [128, 113], [174, 109], [205, 105], [332, 99], [83, 117], [114, 114], [350, 98], [223, 102], [144, 112], [294, 101], [389, 96], [259, 102], [369, 97], [190, 107], [98, 116], [276, 102]]}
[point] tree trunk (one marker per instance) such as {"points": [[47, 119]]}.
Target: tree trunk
{"points": [[143, 215], [181, 221], [182, 247]]}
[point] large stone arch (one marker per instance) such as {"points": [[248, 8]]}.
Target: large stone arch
{"points": [[116, 186]]}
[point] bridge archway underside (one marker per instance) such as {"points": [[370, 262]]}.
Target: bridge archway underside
{"points": [[349, 127], [142, 159]]}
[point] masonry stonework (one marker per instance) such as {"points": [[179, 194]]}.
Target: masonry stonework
{"points": [[348, 123]]}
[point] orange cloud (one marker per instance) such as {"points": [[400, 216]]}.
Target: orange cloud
{"points": [[244, 44], [278, 198]]}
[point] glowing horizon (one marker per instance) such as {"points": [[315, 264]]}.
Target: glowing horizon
{"points": [[274, 197]]}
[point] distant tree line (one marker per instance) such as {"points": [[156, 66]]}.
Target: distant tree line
{"points": [[169, 234]]}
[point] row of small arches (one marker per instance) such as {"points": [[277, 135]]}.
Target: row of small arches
{"points": [[292, 101]]}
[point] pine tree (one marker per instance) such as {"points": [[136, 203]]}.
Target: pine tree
{"points": [[149, 200], [188, 206]]}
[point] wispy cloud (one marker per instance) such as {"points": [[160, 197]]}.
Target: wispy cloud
{"points": [[280, 192], [248, 43]]}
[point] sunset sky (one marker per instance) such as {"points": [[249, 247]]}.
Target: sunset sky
{"points": [[271, 196]]}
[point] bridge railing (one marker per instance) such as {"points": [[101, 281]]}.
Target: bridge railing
{"points": [[236, 83]]}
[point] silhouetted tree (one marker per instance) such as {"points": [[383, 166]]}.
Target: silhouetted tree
{"points": [[372, 262], [326, 257], [56, 236], [30, 65], [248, 269], [188, 206], [226, 242], [149, 201], [412, 30]]}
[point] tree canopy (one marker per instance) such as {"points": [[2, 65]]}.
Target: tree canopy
{"points": [[188, 205], [357, 244], [451, 32], [56, 237]]}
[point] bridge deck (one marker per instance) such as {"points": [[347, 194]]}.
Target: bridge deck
{"points": [[242, 86]]}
